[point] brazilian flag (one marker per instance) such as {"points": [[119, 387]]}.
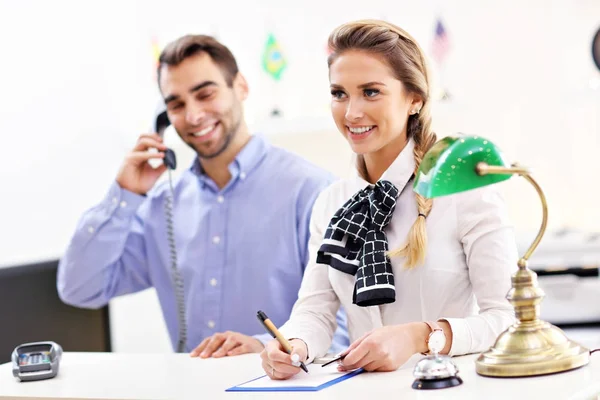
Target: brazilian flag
{"points": [[273, 61]]}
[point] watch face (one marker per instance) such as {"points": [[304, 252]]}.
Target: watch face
{"points": [[437, 341]]}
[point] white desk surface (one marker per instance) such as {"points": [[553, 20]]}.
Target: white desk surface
{"points": [[177, 376]]}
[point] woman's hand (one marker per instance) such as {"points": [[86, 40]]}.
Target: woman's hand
{"points": [[386, 348], [280, 365]]}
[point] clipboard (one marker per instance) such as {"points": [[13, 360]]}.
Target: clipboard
{"points": [[318, 378]]}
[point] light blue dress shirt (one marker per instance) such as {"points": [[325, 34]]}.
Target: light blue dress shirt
{"points": [[240, 249]]}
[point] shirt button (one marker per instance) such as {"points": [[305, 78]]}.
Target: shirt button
{"points": [[91, 229], [123, 204], [211, 324], [213, 282], [216, 240], [243, 175], [220, 199]]}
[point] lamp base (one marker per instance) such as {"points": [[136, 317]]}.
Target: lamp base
{"points": [[531, 348]]}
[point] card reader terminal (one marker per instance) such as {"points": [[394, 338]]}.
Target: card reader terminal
{"points": [[36, 360]]}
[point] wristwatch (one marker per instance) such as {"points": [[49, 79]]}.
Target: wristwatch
{"points": [[437, 338]]}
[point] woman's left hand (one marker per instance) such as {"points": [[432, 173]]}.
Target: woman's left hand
{"points": [[384, 349]]}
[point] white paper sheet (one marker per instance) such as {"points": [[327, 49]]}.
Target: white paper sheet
{"points": [[316, 376]]}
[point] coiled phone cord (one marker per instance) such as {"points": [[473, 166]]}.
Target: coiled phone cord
{"points": [[176, 275]]}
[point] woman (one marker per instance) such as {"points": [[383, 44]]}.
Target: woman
{"points": [[401, 265]]}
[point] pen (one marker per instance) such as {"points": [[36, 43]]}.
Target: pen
{"points": [[270, 327], [338, 358]]}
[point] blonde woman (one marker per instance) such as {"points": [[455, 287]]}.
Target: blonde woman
{"points": [[401, 265]]}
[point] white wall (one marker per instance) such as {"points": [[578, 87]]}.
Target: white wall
{"points": [[77, 85]]}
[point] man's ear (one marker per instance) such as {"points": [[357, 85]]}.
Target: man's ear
{"points": [[240, 86]]}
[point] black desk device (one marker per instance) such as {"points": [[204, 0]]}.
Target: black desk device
{"points": [[36, 361]]}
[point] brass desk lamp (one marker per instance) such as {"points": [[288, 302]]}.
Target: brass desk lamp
{"points": [[530, 346]]}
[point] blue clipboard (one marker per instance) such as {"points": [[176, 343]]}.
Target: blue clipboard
{"points": [[338, 379]]}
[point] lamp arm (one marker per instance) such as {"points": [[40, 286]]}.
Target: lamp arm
{"points": [[523, 261], [483, 169]]}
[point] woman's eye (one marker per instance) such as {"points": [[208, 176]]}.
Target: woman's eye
{"points": [[337, 94], [371, 92]]}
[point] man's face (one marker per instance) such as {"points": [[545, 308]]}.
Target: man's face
{"points": [[204, 110]]}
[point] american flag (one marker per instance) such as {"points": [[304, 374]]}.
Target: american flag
{"points": [[441, 43]]}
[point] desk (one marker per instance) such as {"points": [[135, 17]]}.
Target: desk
{"points": [[177, 376]]}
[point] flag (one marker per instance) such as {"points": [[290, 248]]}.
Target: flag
{"points": [[273, 61], [441, 43], [156, 50]]}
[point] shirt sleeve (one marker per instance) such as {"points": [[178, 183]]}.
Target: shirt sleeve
{"points": [[264, 338], [313, 318], [491, 254], [106, 256], [307, 195], [307, 199]]}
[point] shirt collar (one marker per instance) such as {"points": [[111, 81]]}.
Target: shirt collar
{"points": [[244, 163], [401, 170]]}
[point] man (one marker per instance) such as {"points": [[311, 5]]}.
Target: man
{"points": [[237, 239]]}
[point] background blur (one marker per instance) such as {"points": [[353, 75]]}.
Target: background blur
{"points": [[77, 82]]}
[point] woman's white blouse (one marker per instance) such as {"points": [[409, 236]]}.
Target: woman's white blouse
{"points": [[471, 254]]}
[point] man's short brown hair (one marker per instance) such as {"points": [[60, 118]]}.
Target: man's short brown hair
{"points": [[190, 45]]}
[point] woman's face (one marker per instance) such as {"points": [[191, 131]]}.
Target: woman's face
{"points": [[369, 105]]}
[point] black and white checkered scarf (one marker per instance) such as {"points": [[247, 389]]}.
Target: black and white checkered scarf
{"points": [[355, 243]]}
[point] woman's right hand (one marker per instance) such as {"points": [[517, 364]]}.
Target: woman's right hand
{"points": [[278, 364]]}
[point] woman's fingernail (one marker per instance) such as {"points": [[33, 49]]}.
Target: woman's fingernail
{"points": [[296, 363], [295, 358]]}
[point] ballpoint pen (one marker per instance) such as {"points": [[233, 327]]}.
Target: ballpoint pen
{"points": [[337, 358], [270, 327]]}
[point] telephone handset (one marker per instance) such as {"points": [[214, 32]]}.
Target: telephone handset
{"points": [[161, 124], [170, 160]]}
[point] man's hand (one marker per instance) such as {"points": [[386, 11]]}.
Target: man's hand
{"points": [[227, 344], [136, 175]]}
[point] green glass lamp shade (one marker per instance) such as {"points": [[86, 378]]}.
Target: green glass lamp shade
{"points": [[450, 166]]}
